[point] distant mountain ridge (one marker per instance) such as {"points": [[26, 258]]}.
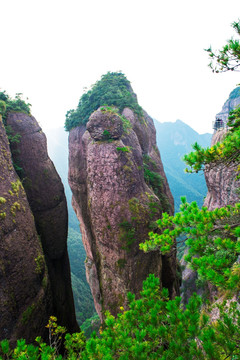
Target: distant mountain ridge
{"points": [[175, 140]]}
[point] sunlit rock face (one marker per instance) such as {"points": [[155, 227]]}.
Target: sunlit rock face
{"points": [[116, 206], [47, 200], [25, 293]]}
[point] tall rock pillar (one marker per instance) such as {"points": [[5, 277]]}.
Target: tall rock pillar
{"points": [[119, 190]]}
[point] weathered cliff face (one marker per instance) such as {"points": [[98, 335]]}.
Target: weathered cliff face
{"points": [[25, 296], [115, 205], [46, 197], [221, 182]]}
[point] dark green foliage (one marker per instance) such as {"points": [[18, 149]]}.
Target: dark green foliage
{"points": [[121, 263], [234, 118], [106, 135], [27, 314], [3, 107], [7, 104], [90, 325], [112, 90], [14, 139]]}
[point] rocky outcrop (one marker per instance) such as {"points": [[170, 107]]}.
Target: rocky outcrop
{"points": [[119, 189], [46, 197], [221, 181], [25, 294]]}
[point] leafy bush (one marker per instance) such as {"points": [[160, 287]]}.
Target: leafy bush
{"points": [[112, 90]]}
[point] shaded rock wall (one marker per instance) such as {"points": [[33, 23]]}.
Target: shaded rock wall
{"points": [[48, 203], [115, 206], [25, 296]]}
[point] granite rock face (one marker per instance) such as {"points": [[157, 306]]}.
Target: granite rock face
{"points": [[47, 200], [115, 205], [25, 294]]}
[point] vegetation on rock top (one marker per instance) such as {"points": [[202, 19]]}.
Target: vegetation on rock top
{"points": [[112, 90], [17, 104]]}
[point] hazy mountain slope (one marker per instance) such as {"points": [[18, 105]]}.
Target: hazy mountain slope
{"points": [[174, 140]]}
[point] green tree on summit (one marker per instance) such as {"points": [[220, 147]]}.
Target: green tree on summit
{"points": [[113, 89]]}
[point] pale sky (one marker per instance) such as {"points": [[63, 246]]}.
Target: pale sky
{"points": [[51, 50]]}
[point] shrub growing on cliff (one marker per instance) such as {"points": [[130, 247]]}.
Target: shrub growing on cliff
{"points": [[113, 90], [16, 104]]}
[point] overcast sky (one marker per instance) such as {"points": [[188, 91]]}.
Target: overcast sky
{"points": [[51, 50]]}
